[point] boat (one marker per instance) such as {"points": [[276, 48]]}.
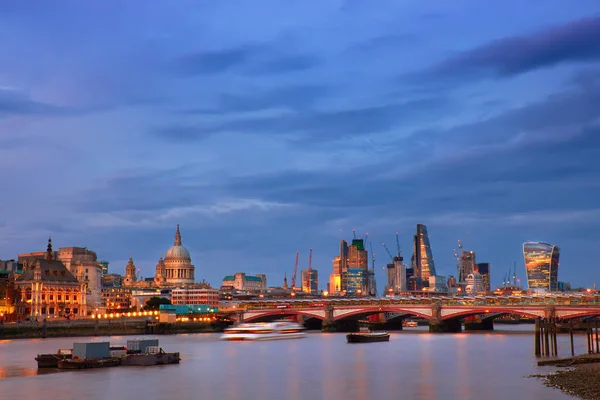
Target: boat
{"points": [[410, 324], [264, 331], [90, 355], [146, 352], [51, 360], [154, 356], [366, 336], [85, 363]]}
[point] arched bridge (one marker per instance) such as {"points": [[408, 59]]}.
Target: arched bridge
{"points": [[436, 310]]}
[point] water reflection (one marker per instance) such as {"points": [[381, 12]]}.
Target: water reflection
{"points": [[410, 366]]}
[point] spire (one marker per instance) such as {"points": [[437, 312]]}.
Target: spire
{"points": [[49, 255], [285, 284], [177, 237]]}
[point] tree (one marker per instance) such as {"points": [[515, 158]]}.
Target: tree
{"points": [[154, 303]]}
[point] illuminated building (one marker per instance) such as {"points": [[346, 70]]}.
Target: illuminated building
{"points": [[310, 281], [356, 279], [467, 264], [474, 284], [438, 283], [241, 281], [178, 263], [83, 265], [484, 270], [196, 295], [48, 288], [104, 266], [422, 260], [130, 276], [541, 266], [116, 299]]}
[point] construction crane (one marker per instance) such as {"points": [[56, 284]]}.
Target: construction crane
{"points": [[354, 233], [398, 244], [386, 249], [372, 255], [295, 271]]}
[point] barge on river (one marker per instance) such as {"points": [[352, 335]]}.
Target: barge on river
{"points": [[139, 352], [366, 336]]}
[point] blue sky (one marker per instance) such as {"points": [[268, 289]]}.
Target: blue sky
{"points": [[266, 127]]}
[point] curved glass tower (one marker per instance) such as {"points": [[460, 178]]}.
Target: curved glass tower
{"points": [[422, 260], [541, 266]]}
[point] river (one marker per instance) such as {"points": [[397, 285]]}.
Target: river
{"points": [[413, 365]]}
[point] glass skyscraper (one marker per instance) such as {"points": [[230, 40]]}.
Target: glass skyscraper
{"points": [[541, 266], [422, 259]]}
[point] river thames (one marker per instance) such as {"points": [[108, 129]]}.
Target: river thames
{"points": [[413, 365]]}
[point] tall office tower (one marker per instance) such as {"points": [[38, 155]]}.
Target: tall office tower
{"points": [[356, 278], [310, 281], [541, 266], [371, 283], [467, 264], [484, 270], [396, 277], [343, 266], [422, 259]]}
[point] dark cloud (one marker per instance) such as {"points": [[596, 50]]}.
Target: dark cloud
{"points": [[575, 41], [250, 59], [213, 62], [294, 97], [284, 64], [145, 191], [312, 126], [15, 103], [180, 133]]}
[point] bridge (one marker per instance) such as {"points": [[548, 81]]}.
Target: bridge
{"points": [[443, 313]]}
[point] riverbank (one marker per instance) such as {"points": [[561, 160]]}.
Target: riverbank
{"points": [[92, 328], [583, 381]]}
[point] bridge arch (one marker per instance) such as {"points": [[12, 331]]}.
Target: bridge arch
{"points": [[579, 314], [426, 313], [492, 312], [255, 317]]}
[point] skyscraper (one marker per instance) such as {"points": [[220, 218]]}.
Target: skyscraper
{"points": [[467, 265], [310, 281], [541, 266], [422, 259], [484, 270]]}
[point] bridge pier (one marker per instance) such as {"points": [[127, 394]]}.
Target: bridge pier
{"points": [[447, 326], [479, 325]]}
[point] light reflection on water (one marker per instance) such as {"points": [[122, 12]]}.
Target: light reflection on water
{"points": [[321, 366]]}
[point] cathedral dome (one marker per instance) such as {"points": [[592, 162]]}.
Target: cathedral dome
{"points": [[177, 251]]}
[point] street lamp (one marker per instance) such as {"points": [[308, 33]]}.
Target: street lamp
{"points": [[260, 297]]}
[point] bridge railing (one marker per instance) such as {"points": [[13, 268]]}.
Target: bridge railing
{"points": [[571, 299]]}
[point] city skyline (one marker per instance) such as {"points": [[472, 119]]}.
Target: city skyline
{"points": [[120, 121]]}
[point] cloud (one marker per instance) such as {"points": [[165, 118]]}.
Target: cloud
{"points": [[216, 61], [325, 126], [197, 214], [284, 64], [294, 97], [249, 59], [15, 103], [576, 41]]}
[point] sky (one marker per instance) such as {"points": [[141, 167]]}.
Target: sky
{"points": [[269, 127]]}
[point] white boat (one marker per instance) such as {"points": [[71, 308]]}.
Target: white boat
{"points": [[264, 331]]}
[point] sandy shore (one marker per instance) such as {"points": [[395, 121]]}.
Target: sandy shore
{"points": [[581, 380]]}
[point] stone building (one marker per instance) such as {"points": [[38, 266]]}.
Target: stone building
{"points": [[48, 288], [241, 281], [83, 265], [178, 268]]}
